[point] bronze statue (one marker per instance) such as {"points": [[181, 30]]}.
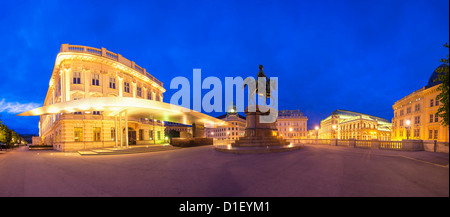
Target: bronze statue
{"points": [[253, 86]]}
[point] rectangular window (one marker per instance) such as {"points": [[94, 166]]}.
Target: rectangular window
{"points": [[113, 134], [96, 112], [408, 110], [78, 134], [430, 134], [95, 79], [77, 77], [437, 102], [77, 113], [112, 83], [126, 87], [149, 95], [96, 132], [141, 134], [400, 123], [431, 102], [435, 134], [416, 133], [157, 98], [139, 91], [436, 117], [150, 134], [417, 107], [431, 118]]}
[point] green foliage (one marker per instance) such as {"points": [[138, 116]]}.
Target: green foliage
{"points": [[443, 96]]}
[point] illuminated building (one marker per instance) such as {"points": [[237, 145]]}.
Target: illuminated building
{"points": [[184, 130], [235, 128], [415, 115], [292, 124], [342, 124], [84, 72]]}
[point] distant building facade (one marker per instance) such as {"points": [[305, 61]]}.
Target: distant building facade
{"points": [[415, 115], [342, 124], [292, 124], [185, 130], [233, 132]]}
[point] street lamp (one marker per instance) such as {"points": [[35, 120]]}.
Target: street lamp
{"points": [[408, 123], [317, 132]]}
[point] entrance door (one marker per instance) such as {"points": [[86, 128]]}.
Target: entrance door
{"points": [[131, 137]]}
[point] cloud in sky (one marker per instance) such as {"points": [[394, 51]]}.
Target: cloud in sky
{"points": [[16, 107]]}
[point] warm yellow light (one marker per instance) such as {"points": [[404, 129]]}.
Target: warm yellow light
{"points": [[290, 129], [317, 127], [228, 132], [408, 122], [334, 126]]}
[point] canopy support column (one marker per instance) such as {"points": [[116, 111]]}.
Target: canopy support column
{"points": [[126, 128]]}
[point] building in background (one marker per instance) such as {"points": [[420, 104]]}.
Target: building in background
{"points": [[236, 128], [415, 115], [184, 130], [86, 72], [292, 124], [342, 124]]}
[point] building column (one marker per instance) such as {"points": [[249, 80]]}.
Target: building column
{"points": [[115, 131], [120, 129], [126, 128]]}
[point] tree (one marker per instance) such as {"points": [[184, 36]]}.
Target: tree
{"points": [[443, 88]]}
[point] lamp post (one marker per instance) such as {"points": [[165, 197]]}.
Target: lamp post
{"points": [[317, 132], [408, 123]]}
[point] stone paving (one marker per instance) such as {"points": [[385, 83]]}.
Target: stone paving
{"points": [[312, 171]]}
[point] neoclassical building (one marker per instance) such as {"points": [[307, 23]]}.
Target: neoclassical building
{"points": [[342, 124], [292, 124], [82, 72], [234, 129], [415, 115]]}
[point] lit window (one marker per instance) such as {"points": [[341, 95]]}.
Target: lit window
{"points": [[78, 134], [113, 134], [96, 132]]}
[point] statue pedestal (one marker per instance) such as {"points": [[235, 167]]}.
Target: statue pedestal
{"points": [[261, 134]]}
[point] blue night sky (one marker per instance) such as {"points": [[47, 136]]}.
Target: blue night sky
{"points": [[355, 55]]}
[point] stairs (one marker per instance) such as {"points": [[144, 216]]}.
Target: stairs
{"points": [[130, 150]]}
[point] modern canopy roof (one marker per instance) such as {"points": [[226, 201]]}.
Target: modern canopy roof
{"points": [[136, 108]]}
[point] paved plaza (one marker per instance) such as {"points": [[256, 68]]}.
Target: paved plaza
{"points": [[201, 171]]}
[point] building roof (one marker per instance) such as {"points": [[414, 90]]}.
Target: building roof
{"points": [[227, 114], [135, 108], [352, 115], [432, 81]]}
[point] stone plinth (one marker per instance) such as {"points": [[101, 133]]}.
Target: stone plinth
{"points": [[261, 134]]}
